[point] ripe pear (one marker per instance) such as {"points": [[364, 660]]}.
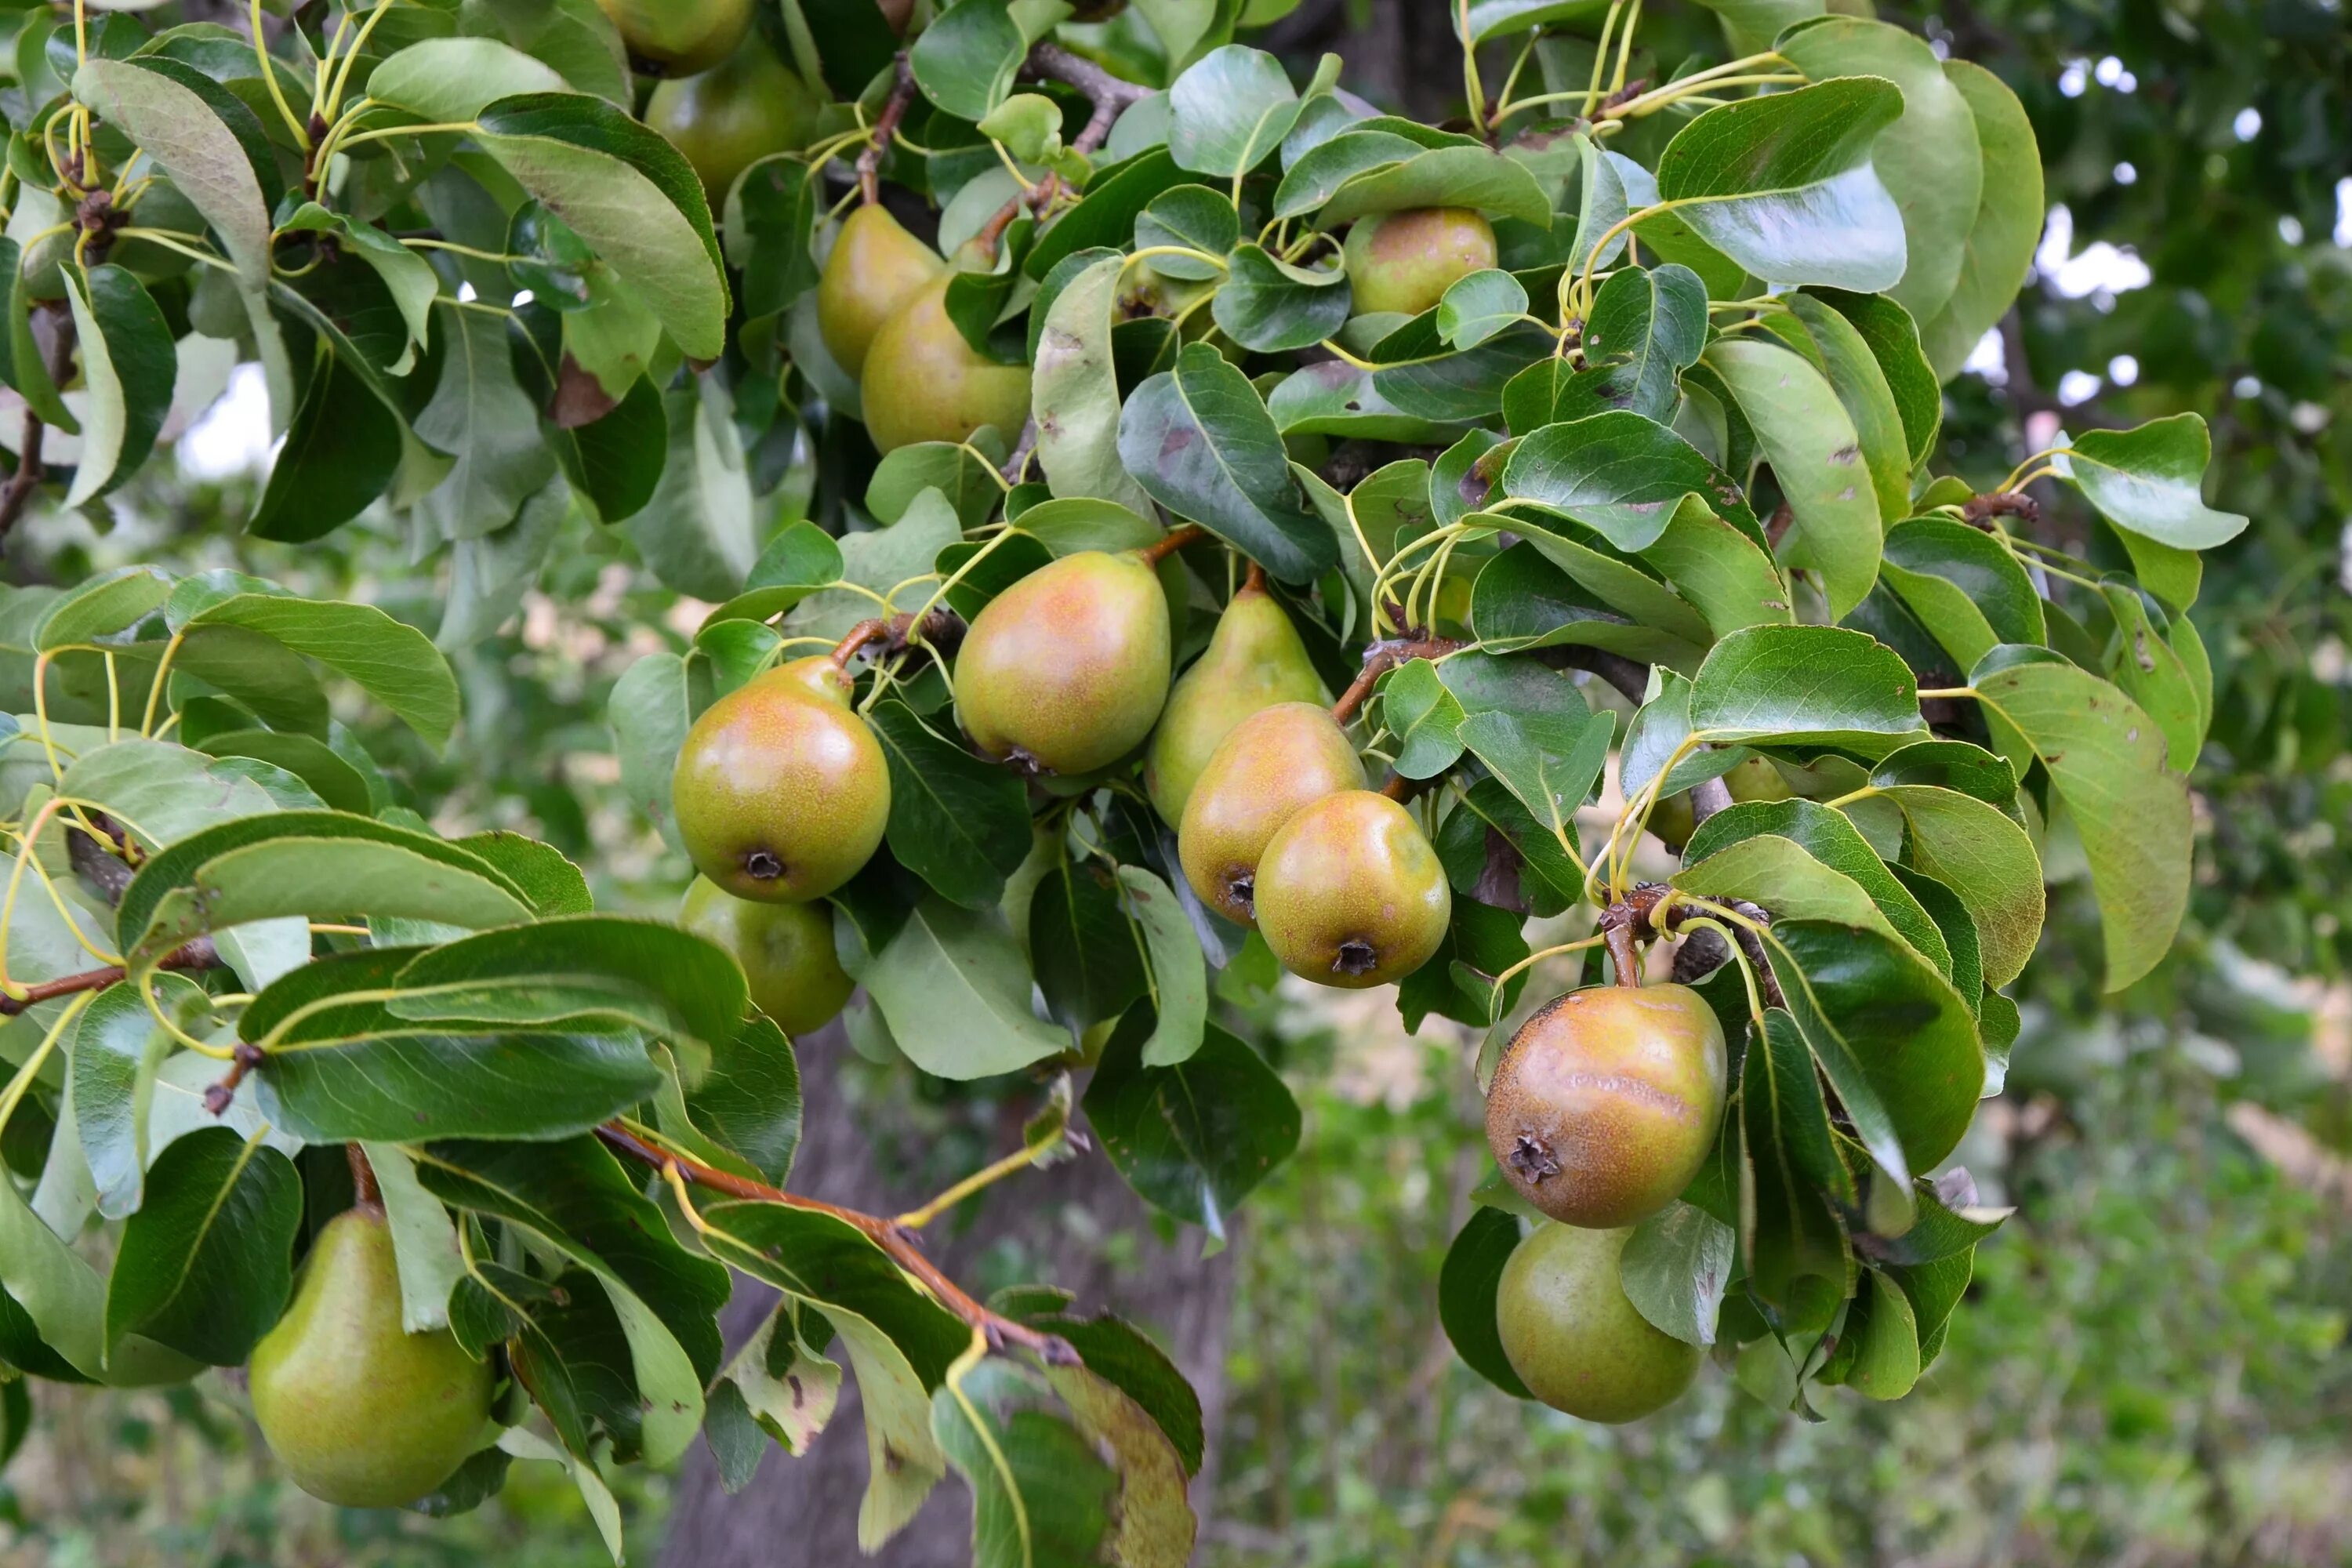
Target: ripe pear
{"points": [[922, 382], [1674, 821], [1605, 1102], [1406, 260], [359, 1412], [1271, 766], [1572, 1336], [1066, 671], [1254, 660], [786, 951], [876, 267], [679, 37], [729, 117], [1350, 893], [782, 792]]}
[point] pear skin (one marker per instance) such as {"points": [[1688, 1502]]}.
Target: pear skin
{"points": [[780, 795], [359, 1412], [729, 117], [1572, 1336], [679, 37], [1065, 671], [1254, 660], [876, 267], [1350, 893], [785, 950], [921, 382], [1407, 260], [1606, 1101], [1269, 767]]}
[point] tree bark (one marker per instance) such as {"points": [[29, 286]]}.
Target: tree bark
{"points": [[805, 1511]]}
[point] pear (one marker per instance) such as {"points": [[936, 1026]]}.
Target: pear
{"points": [[1605, 1103], [876, 267], [359, 1413], [679, 37], [729, 117], [1350, 893], [1254, 660], [1272, 764], [785, 950], [1066, 671], [1572, 1336], [781, 792], [921, 382], [1406, 260], [1673, 820]]}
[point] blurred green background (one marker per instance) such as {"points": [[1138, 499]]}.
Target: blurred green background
{"points": [[2150, 1367]]}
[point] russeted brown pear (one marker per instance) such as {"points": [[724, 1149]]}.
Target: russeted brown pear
{"points": [[781, 792], [1349, 892], [679, 37], [785, 950], [1606, 1101], [729, 117], [1254, 660], [1407, 260], [359, 1412], [922, 382], [1066, 671], [1572, 1336], [1268, 767], [875, 267], [1674, 821]]}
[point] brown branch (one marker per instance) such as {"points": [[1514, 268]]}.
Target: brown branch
{"points": [[1382, 657], [1169, 543], [895, 1240], [1982, 509], [1630, 677], [57, 358], [1651, 910], [894, 633], [885, 126], [196, 954], [1110, 95]]}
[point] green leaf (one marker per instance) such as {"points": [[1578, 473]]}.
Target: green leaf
{"points": [[444, 80], [1466, 1284], [965, 61], [1333, 397], [1795, 1249], [206, 1263], [1928, 156], [1651, 323], [1269, 305], [1620, 474], [2007, 226], [1230, 110], [1521, 600], [1191, 215], [2148, 480], [1550, 765], [424, 1241], [1202, 443], [1476, 308], [1315, 176], [1784, 186], [1674, 1268], [390, 661], [955, 991], [1106, 216], [1816, 455], [480, 418], [1894, 339], [1471, 176], [1836, 348], [957, 822], [1831, 838], [1153, 1525], [1885, 1337], [1192, 1139], [1988, 861], [128, 364], [648, 714], [2144, 664], [107, 603], [770, 216], [1042, 1494], [2107, 762], [1722, 570], [1074, 390], [697, 531], [629, 193], [1180, 986], [45, 1280], [1818, 685], [1424, 716], [116, 1048], [341, 452], [1965, 586], [1415, 372], [1088, 958]]}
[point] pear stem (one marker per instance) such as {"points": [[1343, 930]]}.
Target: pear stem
{"points": [[1652, 910], [885, 126], [895, 1240], [365, 1194], [1169, 543], [891, 631], [1383, 657], [1254, 579]]}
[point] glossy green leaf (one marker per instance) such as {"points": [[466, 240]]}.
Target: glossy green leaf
{"points": [[1999, 250], [206, 1263], [1620, 474], [955, 990], [1466, 1285], [1820, 685], [1075, 391], [128, 364], [1192, 1139], [1270, 306], [1816, 455], [957, 822], [1179, 977], [2150, 480]]}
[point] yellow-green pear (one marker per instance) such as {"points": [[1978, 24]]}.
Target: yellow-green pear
{"points": [[1349, 892], [781, 792], [729, 117], [1407, 260], [359, 1412], [875, 267], [922, 382], [1269, 767], [1572, 1336], [1066, 669], [1254, 660], [785, 950], [1673, 820], [679, 37]]}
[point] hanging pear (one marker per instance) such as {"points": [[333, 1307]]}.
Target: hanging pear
{"points": [[361, 1413], [1407, 260], [781, 792], [923, 383], [1349, 892], [785, 950], [1271, 766], [1254, 660], [729, 117], [1574, 1338], [679, 37], [1066, 669], [875, 267]]}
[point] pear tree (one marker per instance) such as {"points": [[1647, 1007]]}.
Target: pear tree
{"points": [[1140, 519]]}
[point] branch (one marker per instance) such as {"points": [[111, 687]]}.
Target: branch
{"points": [[197, 954], [885, 126], [1630, 677], [1382, 657], [1109, 95], [1650, 909], [57, 358], [895, 1240]]}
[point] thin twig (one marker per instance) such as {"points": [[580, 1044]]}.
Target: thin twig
{"points": [[1168, 544], [57, 358], [885, 126], [1382, 657], [1110, 95], [196, 954]]}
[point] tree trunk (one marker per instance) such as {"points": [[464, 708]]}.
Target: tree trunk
{"points": [[805, 1511]]}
